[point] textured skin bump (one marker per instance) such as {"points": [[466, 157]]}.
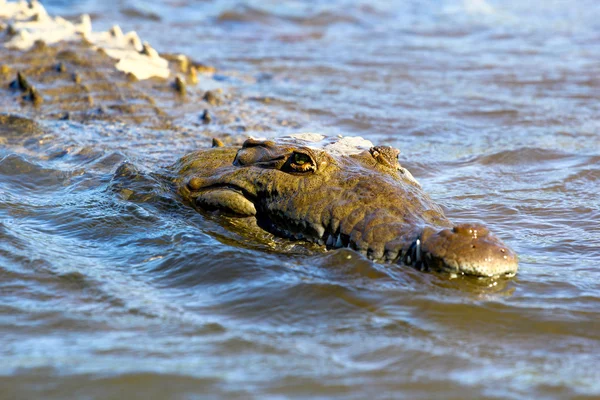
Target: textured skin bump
{"points": [[226, 201]]}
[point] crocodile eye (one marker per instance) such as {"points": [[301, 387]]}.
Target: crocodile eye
{"points": [[301, 159], [300, 162]]}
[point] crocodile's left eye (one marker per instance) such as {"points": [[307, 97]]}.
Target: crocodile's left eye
{"points": [[300, 162]]}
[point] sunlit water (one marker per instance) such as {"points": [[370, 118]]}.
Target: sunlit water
{"points": [[111, 289]]}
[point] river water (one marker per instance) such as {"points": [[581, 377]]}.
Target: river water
{"points": [[496, 108]]}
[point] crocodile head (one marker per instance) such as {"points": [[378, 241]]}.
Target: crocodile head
{"points": [[339, 193]]}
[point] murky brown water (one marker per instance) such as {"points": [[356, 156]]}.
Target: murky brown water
{"points": [[496, 107]]}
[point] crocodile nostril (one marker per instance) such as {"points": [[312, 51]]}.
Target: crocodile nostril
{"points": [[472, 246], [503, 250]]}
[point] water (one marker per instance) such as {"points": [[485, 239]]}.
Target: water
{"points": [[111, 289]]}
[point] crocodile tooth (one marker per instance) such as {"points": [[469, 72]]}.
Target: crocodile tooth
{"points": [[329, 241], [319, 229], [408, 260], [338, 242], [418, 251]]}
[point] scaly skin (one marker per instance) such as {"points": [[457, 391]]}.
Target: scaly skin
{"points": [[365, 201]]}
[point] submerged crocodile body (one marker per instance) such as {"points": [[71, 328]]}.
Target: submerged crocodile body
{"points": [[339, 193]]}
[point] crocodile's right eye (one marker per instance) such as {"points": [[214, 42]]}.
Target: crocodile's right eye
{"points": [[300, 162], [301, 159]]}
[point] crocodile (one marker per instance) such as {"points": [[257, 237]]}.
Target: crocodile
{"points": [[338, 193], [335, 193]]}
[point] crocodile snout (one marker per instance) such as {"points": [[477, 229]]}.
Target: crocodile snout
{"points": [[468, 249]]}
